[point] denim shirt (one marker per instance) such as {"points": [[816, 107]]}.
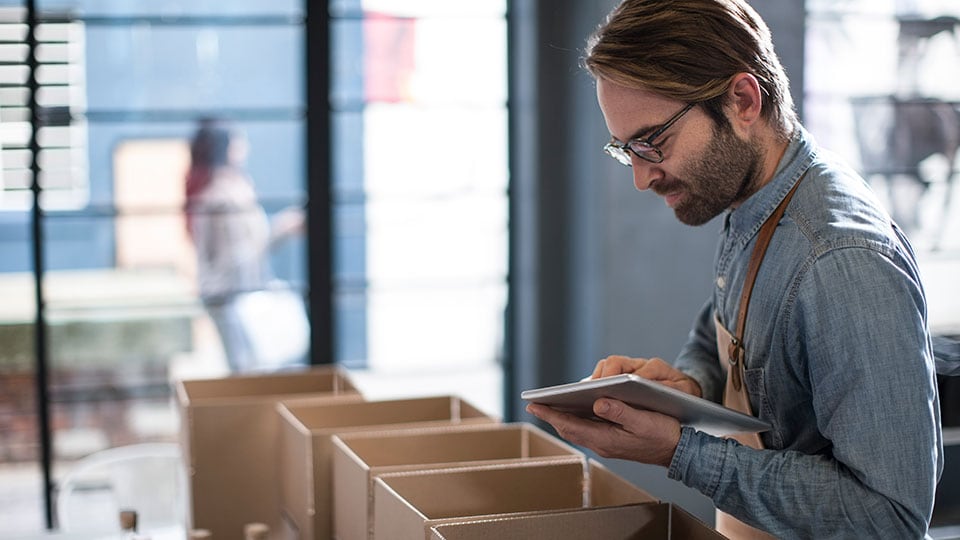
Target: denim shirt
{"points": [[838, 360]]}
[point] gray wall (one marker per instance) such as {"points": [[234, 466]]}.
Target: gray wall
{"points": [[597, 267]]}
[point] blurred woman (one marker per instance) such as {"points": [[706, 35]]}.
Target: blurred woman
{"points": [[232, 236]]}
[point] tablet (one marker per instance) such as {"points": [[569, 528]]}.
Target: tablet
{"points": [[577, 398]]}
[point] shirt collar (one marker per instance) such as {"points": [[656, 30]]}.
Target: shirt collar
{"points": [[745, 221]]}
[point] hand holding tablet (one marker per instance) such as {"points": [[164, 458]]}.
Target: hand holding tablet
{"points": [[578, 398]]}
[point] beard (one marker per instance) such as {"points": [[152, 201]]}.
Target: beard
{"points": [[723, 175]]}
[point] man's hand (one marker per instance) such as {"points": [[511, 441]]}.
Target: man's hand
{"points": [[654, 369], [637, 435]]}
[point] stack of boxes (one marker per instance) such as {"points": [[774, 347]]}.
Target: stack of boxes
{"points": [[306, 454], [230, 434]]}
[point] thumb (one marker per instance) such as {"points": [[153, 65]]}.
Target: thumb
{"points": [[610, 410]]}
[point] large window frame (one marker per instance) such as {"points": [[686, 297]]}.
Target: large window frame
{"points": [[321, 230], [37, 215]]}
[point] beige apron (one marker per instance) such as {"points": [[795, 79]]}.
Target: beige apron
{"points": [[731, 354], [738, 400]]}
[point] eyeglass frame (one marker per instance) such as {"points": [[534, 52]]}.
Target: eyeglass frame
{"points": [[617, 150]]}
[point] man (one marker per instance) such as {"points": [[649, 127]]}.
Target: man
{"points": [[834, 350]]}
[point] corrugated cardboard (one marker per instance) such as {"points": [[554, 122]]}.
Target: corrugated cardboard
{"points": [[359, 457], [647, 521], [306, 448], [407, 505], [229, 433]]}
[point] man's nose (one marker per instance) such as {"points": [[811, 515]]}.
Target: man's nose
{"points": [[644, 173]]}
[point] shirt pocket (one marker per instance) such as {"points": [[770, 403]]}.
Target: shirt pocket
{"points": [[756, 389]]}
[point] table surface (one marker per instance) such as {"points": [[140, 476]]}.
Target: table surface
{"points": [[162, 533]]}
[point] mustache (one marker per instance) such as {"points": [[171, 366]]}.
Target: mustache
{"points": [[665, 188]]}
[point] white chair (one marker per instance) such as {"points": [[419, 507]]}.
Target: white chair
{"points": [[149, 478]]}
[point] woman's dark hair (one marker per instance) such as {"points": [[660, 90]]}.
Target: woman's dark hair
{"points": [[209, 149], [210, 144]]}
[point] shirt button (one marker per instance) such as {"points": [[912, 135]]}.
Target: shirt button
{"points": [[721, 282]]}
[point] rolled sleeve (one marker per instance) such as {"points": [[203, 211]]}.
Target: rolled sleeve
{"points": [[698, 461]]}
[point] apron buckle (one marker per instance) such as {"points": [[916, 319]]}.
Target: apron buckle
{"points": [[735, 357], [734, 351]]}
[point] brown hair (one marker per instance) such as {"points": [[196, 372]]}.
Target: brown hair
{"points": [[690, 50]]}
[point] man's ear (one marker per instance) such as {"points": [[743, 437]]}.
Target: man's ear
{"points": [[745, 100]]}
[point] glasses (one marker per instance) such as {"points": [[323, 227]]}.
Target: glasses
{"points": [[644, 149]]}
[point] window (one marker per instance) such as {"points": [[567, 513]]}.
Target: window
{"points": [[121, 89], [420, 193], [883, 90], [418, 185]]}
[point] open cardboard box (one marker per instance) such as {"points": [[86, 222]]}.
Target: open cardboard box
{"points": [[408, 504], [653, 521], [306, 448], [229, 434], [359, 457]]}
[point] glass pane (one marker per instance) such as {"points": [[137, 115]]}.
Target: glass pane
{"points": [[435, 60], [174, 8], [139, 67], [419, 8], [275, 160], [128, 302], [21, 479], [883, 90], [420, 187], [445, 151]]}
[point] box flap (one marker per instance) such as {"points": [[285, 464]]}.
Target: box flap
{"points": [[324, 416], [452, 443], [685, 525], [645, 521], [393, 514], [491, 489], [608, 489], [321, 380]]}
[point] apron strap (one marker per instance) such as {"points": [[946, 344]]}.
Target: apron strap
{"points": [[734, 394], [735, 353]]}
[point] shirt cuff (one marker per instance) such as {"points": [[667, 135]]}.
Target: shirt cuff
{"points": [[698, 452]]}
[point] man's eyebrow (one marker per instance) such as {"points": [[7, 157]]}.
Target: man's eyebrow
{"points": [[639, 133]]}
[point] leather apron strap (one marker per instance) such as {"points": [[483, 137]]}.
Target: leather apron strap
{"points": [[731, 354], [735, 349]]}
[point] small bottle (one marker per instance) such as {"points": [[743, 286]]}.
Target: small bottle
{"points": [[199, 534], [128, 526], [256, 531], [128, 523]]}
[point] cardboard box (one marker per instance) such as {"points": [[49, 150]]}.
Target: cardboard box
{"points": [[359, 457], [407, 505], [654, 521], [306, 448], [229, 435]]}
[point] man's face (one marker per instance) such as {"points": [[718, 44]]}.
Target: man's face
{"points": [[705, 169]]}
